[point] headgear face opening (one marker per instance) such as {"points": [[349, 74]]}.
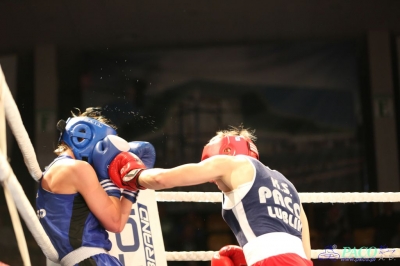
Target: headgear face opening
{"points": [[230, 145], [81, 134]]}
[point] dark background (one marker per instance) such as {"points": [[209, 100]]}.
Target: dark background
{"points": [[174, 72]]}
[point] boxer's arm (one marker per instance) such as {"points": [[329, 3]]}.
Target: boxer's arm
{"points": [[220, 167], [126, 173], [107, 209], [111, 211], [231, 171], [104, 153], [305, 234], [212, 168]]}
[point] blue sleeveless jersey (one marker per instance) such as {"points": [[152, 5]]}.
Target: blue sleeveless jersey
{"points": [[68, 221], [269, 203]]}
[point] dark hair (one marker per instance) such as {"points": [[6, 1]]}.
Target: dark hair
{"points": [[95, 113]]}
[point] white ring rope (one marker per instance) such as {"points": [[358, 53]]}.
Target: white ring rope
{"points": [[8, 178], [189, 255], [345, 197], [12, 209], [342, 197], [14, 120], [382, 253], [26, 210], [28, 214]]}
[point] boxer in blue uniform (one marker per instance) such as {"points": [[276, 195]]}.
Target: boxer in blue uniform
{"points": [[260, 205], [76, 201]]}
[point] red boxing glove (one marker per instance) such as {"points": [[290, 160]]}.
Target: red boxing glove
{"points": [[218, 260], [229, 255], [128, 166]]}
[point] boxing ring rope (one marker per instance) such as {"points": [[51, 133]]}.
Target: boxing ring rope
{"points": [[344, 197], [18, 231], [389, 253], [8, 180], [14, 120], [314, 197]]}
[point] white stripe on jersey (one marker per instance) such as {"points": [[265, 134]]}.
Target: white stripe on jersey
{"points": [[240, 215]]}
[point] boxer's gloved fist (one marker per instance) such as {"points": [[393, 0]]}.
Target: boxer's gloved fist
{"points": [[218, 260], [103, 153], [145, 151], [125, 169], [231, 255], [235, 253]]}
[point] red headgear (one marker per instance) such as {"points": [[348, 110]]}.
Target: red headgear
{"points": [[230, 145]]}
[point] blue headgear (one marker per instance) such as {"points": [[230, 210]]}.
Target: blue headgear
{"points": [[81, 134]]}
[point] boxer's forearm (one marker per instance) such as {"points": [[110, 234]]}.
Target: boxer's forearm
{"points": [[183, 175], [155, 178]]}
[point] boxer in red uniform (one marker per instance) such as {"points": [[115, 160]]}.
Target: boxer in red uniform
{"points": [[260, 205]]}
